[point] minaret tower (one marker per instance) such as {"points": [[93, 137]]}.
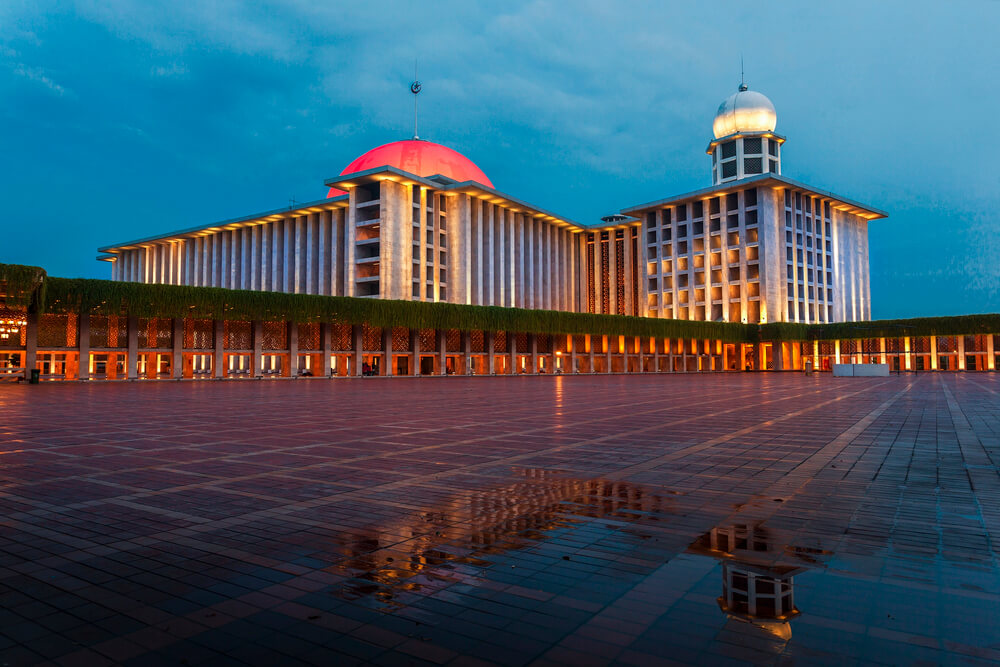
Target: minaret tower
{"points": [[745, 143]]}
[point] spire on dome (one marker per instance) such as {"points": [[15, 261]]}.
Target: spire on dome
{"points": [[415, 88]]}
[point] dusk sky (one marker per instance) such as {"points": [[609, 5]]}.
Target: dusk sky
{"points": [[124, 119]]}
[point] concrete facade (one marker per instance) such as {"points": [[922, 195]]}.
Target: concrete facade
{"points": [[756, 247]]}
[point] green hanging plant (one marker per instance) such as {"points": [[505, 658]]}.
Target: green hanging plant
{"points": [[22, 286]]}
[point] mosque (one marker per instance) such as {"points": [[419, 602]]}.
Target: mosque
{"points": [[414, 220]]}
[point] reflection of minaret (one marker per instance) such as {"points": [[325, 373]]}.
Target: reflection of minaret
{"points": [[757, 574]]}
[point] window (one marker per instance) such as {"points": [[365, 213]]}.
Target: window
{"points": [[698, 228], [729, 169], [682, 213], [713, 205], [751, 217], [682, 231], [752, 165], [751, 145], [728, 149], [651, 219], [732, 201], [750, 197], [772, 148], [772, 166], [698, 209]]}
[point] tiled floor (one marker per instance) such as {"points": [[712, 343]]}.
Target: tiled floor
{"points": [[467, 521]]}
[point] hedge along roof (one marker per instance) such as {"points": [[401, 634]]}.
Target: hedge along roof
{"points": [[21, 285], [106, 297], [28, 286], [955, 325]]}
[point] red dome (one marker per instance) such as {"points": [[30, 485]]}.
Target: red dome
{"points": [[423, 158]]}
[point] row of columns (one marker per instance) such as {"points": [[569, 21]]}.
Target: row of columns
{"points": [[299, 254], [785, 356]]}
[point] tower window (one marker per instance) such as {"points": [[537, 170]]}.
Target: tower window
{"points": [[728, 149], [750, 197], [773, 166], [772, 148], [751, 145], [752, 165], [729, 169]]}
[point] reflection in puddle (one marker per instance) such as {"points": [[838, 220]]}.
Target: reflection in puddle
{"points": [[457, 540], [453, 541], [758, 574]]}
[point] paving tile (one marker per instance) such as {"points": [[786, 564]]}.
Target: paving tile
{"points": [[511, 521]]}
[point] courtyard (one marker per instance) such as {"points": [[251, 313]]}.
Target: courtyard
{"points": [[586, 520]]}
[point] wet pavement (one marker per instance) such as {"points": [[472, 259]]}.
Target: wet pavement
{"points": [[710, 519]]}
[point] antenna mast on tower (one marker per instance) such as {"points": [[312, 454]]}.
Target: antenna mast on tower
{"points": [[415, 88], [743, 83]]}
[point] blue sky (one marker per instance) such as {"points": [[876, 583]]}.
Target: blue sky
{"points": [[122, 119]]}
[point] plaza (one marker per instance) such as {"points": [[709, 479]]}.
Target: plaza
{"points": [[744, 518]]}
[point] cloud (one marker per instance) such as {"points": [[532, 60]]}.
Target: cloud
{"points": [[580, 107], [38, 75]]}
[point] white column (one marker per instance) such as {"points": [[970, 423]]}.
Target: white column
{"points": [[480, 242], [490, 260], [311, 268], [511, 260], [350, 228]]}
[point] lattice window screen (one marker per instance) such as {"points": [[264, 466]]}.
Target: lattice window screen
{"points": [[428, 342], [400, 339], [309, 336], [198, 334], [275, 336], [56, 331], [477, 341], [341, 338], [238, 335], [371, 338]]}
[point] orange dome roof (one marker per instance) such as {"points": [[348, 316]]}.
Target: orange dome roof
{"points": [[423, 158]]}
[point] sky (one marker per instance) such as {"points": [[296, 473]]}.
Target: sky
{"points": [[123, 119]]}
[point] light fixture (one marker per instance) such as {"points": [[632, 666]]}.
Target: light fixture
{"points": [[11, 322]]}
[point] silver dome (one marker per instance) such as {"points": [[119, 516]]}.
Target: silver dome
{"points": [[744, 111]]}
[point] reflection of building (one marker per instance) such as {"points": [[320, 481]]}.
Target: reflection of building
{"points": [[469, 526], [413, 220], [757, 574]]}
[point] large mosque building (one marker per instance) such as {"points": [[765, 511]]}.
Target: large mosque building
{"points": [[415, 220]]}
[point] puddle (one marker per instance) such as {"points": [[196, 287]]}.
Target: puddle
{"points": [[591, 543]]}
